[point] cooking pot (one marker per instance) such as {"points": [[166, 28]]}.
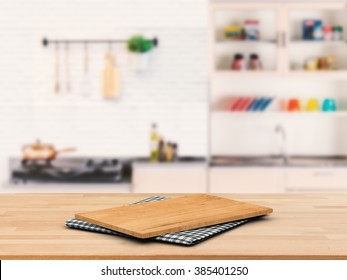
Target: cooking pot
{"points": [[42, 151]]}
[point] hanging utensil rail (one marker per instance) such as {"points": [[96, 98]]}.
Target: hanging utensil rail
{"points": [[46, 41]]}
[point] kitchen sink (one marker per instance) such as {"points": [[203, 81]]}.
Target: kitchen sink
{"points": [[278, 161], [248, 161], [336, 161]]}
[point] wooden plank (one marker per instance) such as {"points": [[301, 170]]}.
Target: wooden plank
{"points": [[172, 215]]}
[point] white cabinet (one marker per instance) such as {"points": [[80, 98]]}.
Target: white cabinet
{"points": [[222, 51], [169, 178], [316, 180], [273, 179], [298, 50], [196, 178], [240, 130], [245, 180], [281, 47]]}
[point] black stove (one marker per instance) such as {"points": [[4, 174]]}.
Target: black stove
{"points": [[71, 170]]}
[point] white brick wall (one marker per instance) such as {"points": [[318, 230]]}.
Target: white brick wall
{"points": [[173, 92]]}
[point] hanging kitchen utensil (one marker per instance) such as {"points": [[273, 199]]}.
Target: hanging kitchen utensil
{"points": [[67, 70], [110, 77], [85, 85], [57, 70]]}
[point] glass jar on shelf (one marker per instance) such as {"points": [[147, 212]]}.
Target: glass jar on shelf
{"points": [[238, 63], [337, 33], [254, 62]]}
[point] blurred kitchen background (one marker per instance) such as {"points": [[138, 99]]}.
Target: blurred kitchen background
{"points": [[172, 92], [237, 96]]}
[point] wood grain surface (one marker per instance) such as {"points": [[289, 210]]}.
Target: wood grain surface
{"points": [[147, 220], [302, 226]]}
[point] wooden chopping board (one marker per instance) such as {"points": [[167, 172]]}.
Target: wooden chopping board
{"points": [[151, 219]]}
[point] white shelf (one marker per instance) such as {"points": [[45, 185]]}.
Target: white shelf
{"points": [[334, 75], [246, 42], [279, 114], [318, 43], [246, 73], [319, 74]]}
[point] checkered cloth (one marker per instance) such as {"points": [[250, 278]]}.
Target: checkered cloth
{"points": [[187, 237]]}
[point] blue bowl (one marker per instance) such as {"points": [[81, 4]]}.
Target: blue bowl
{"points": [[329, 105]]}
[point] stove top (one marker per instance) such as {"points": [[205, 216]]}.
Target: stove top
{"points": [[72, 170]]}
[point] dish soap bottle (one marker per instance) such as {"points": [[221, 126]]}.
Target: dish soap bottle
{"points": [[154, 144]]}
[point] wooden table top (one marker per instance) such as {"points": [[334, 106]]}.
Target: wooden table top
{"points": [[302, 226]]}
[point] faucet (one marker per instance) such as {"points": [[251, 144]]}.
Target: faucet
{"points": [[279, 130]]}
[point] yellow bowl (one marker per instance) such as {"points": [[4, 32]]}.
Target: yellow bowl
{"points": [[312, 105]]}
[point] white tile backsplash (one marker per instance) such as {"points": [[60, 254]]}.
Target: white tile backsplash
{"points": [[173, 92]]}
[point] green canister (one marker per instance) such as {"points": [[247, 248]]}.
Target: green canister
{"points": [[337, 33]]}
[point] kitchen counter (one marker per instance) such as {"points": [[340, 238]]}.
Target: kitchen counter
{"points": [[77, 171], [280, 161], [34, 187], [173, 164], [180, 160], [303, 226]]}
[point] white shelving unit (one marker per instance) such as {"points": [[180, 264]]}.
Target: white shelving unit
{"points": [[318, 43], [280, 28], [250, 43], [274, 114], [283, 53]]}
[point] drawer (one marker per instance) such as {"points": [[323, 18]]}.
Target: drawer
{"points": [[174, 179], [245, 180], [316, 179]]}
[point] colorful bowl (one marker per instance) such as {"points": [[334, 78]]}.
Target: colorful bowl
{"points": [[329, 105], [312, 105], [293, 105]]}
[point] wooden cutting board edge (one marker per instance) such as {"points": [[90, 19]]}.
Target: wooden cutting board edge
{"points": [[178, 229], [265, 211]]}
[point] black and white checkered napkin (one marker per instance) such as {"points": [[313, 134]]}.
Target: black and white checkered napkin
{"points": [[187, 237]]}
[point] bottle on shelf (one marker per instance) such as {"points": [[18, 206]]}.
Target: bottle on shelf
{"points": [[328, 32], [337, 33], [169, 151], [161, 149], [254, 62], [154, 144], [238, 63], [175, 151]]}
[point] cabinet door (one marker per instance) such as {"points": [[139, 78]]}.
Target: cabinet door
{"points": [[169, 179], [245, 180], [223, 49], [316, 180]]}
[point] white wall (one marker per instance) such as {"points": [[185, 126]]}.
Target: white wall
{"points": [[173, 92]]}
